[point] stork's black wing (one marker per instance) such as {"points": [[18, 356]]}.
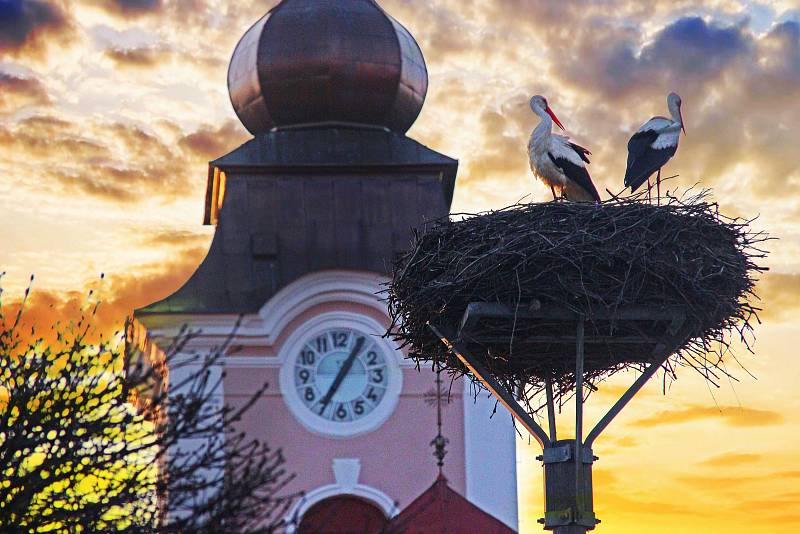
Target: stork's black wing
{"points": [[643, 159], [581, 151], [577, 174]]}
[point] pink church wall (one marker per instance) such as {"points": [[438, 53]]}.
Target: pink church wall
{"points": [[396, 458]]}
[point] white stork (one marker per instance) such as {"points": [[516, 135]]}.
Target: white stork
{"points": [[653, 145], [556, 161]]}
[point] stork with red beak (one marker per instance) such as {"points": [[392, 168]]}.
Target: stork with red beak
{"points": [[653, 145], [556, 161]]}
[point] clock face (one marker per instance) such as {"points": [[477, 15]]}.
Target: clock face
{"points": [[342, 376]]}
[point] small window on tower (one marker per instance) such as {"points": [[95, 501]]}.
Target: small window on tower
{"points": [[217, 194]]}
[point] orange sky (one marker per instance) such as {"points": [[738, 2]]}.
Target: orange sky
{"points": [[110, 110]]}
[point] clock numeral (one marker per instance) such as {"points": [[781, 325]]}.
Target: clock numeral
{"points": [[372, 357], [307, 357], [309, 395], [371, 395], [304, 375], [322, 344], [339, 339], [341, 412], [377, 376], [358, 407]]}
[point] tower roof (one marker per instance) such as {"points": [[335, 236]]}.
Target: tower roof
{"points": [[303, 200], [327, 61], [442, 510]]}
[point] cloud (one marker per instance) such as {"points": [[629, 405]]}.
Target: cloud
{"points": [[19, 91], [28, 25], [691, 47], [209, 142], [730, 459], [686, 55], [118, 295], [177, 238], [730, 415], [138, 57], [735, 483], [780, 296], [127, 8], [118, 162], [505, 154]]}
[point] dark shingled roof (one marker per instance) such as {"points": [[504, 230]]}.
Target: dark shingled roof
{"points": [[305, 200]]}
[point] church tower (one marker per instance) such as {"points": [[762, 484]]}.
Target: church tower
{"points": [[309, 215]]}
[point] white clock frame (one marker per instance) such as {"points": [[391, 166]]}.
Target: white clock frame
{"points": [[310, 329]]}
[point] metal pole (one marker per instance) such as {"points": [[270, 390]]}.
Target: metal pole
{"points": [[578, 392], [551, 410], [501, 393], [579, 416], [570, 529], [625, 399]]}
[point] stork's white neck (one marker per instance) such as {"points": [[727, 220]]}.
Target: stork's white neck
{"points": [[675, 112], [544, 128]]}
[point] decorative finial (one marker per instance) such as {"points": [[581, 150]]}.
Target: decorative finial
{"points": [[439, 442]]}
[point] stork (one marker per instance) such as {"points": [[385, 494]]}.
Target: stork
{"points": [[653, 145], [556, 161]]}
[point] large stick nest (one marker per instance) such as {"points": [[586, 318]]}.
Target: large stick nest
{"points": [[623, 254]]}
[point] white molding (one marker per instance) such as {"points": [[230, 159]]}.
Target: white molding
{"points": [[267, 325], [358, 287], [251, 362], [346, 471], [311, 421], [368, 493]]}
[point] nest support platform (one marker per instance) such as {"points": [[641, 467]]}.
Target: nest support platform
{"points": [[532, 334]]}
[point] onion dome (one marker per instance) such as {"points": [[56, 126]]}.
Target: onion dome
{"points": [[316, 62]]}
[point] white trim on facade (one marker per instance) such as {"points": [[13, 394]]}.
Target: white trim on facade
{"points": [[490, 456], [356, 287], [267, 325], [373, 495]]}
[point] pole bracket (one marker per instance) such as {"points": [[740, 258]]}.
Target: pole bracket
{"points": [[563, 453]]}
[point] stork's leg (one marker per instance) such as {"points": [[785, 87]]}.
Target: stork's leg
{"points": [[658, 185], [649, 198], [553, 190]]}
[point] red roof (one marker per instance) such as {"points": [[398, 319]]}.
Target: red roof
{"points": [[441, 510]]}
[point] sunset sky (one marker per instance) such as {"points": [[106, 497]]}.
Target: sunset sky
{"points": [[111, 109]]}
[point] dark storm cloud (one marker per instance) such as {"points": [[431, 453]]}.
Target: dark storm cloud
{"points": [[687, 52], [690, 47], [24, 24]]}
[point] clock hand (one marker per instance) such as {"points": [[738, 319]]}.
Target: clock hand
{"points": [[348, 363]]}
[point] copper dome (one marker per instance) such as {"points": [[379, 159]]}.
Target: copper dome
{"points": [[327, 61]]}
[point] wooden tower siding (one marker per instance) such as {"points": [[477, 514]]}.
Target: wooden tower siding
{"points": [[305, 200]]}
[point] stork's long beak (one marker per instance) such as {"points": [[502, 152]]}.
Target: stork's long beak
{"points": [[680, 114], [553, 116]]}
